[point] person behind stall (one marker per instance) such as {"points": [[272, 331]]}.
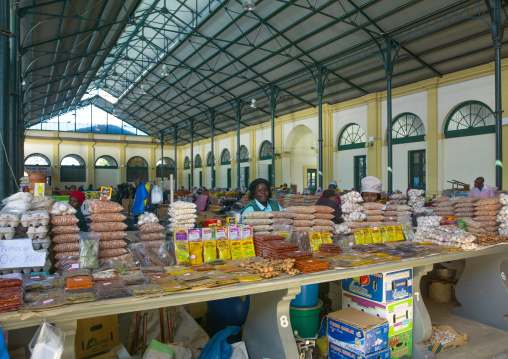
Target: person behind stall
{"points": [[76, 200], [480, 189], [90, 188], [329, 199], [332, 186], [259, 195], [371, 189], [202, 199]]}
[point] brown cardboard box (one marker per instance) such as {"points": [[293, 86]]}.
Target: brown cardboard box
{"points": [[461, 339], [95, 335]]}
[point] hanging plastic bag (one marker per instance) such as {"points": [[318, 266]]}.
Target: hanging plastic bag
{"points": [[47, 343], [156, 193], [218, 347]]}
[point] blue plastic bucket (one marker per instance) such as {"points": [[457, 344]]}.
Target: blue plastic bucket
{"points": [[227, 312], [307, 298]]}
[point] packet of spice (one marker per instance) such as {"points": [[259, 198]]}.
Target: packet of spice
{"points": [[89, 250]]}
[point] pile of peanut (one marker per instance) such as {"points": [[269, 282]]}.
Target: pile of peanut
{"points": [[268, 268]]}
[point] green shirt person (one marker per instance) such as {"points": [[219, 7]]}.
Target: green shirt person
{"points": [[259, 195]]}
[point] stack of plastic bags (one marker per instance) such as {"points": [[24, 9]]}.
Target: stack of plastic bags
{"points": [[323, 219], [486, 212], [65, 235], [260, 221], [304, 218], [18, 203], [374, 212], [150, 231], [182, 215], [108, 222]]}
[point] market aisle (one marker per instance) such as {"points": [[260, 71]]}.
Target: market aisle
{"points": [[482, 341]]}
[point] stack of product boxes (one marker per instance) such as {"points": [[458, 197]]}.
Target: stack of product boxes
{"points": [[389, 296], [353, 334]]}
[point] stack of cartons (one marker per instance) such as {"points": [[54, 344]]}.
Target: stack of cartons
{"points": [[355, 334], [389, 296]]}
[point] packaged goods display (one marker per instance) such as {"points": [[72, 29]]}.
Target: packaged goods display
{"points": [[182, 215], [98, 206]]}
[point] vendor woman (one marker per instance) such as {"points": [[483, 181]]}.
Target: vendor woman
{"points": [[76, 200], [371, 189], [259, 195]]}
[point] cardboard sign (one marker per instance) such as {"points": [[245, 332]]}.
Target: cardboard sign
{"points": [[19, 253]]}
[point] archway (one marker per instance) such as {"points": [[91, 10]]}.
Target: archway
{"points": [[300, 168]]}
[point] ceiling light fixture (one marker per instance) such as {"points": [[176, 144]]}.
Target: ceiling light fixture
{"points": [[142, 92], [23, 83], [97, 128], [248, 5], [253, 103], [165, 71], [115, 113]]}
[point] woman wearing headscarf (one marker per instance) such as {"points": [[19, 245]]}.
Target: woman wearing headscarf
{"points": [[333, 186], [371, 189], [329, 199], [259, 195], [76, 200]]}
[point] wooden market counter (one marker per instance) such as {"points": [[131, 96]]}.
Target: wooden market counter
{"points": [[482, 292]]}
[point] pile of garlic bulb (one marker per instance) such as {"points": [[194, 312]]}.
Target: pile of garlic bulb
{"points": [[428, 222], [447, 236], [417, 201], [62, 209], [147, 218], [352, 211], [502, 217]]}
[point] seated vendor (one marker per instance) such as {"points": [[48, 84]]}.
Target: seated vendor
{"points": [[76, 200], [329, 199], [259, 195], [371, 189]]}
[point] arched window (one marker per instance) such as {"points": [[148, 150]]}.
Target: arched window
{"points": [[186, 163], [37, 159], [106, 162], [406, 128], [351, 137], [72, 169], [265, 150], [209, 159], [168, 167], [469, 119], [225, 157], [137, 168], [244, 154], [198, 162]]}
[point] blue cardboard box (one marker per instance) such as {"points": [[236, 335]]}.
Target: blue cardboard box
{"points": [[357, 331], [382, 287], [336, 352]]}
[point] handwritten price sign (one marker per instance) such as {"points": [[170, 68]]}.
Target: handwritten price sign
{"points": [[19, 253]]}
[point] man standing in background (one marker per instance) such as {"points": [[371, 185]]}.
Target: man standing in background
{"points": [[480, 189]]}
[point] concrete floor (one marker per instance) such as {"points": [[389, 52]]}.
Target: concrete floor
{"points": [[484, 342]]}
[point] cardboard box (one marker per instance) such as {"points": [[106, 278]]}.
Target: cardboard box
{"points": [[398, 314], [357, 331], [401, 345], [382, 287], [336, 352], [95, 335], [460, 340]]}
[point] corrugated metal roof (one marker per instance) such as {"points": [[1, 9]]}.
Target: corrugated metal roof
{"points": [[194, 56]]}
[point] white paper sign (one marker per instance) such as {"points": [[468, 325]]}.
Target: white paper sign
{"points": [[19, 253]]}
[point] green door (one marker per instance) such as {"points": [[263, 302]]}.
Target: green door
{"points": [[229, 178], [200, 178], [417, 171], [246, 174], [311, 179], [360, 171]]}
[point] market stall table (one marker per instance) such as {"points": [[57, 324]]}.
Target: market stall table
{"points": [[268, 332]]}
